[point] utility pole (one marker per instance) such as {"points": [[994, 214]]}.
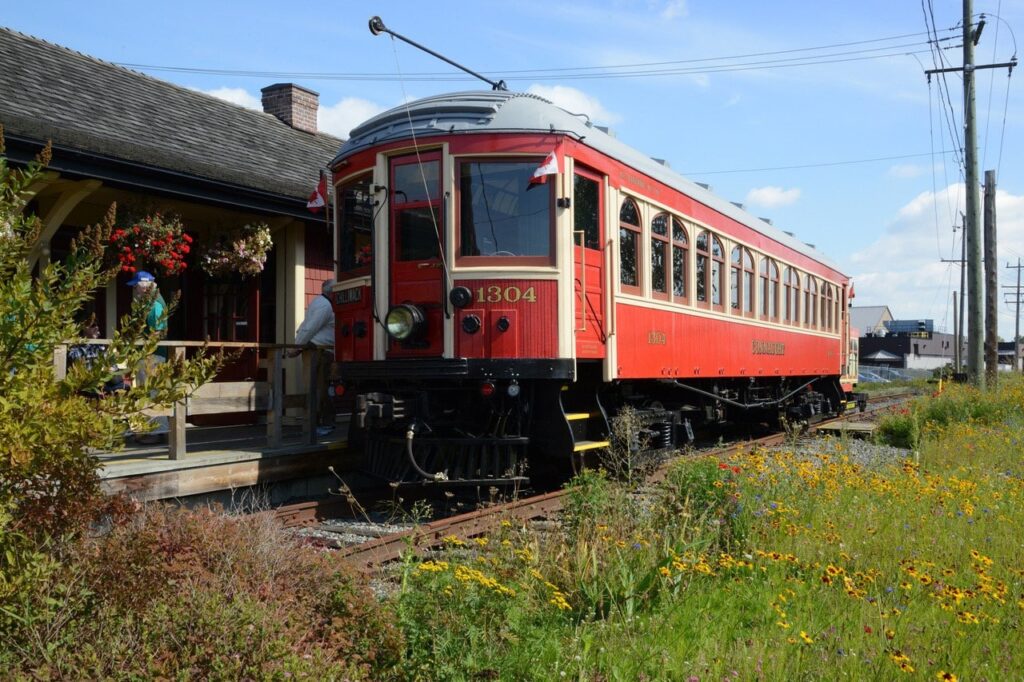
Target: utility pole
{"points": [[956, 339], [1016, 326], [972, 222], [991, 283], [958, 321]]}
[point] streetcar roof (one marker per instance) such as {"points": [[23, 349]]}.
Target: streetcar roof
{"points": [[489, 111]]}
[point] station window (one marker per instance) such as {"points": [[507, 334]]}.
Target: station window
{"points": [[660, 264], [769, 289], [355, 222], [501, 215], [629, 246], [680, 257]]}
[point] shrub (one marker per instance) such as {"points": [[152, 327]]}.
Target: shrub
{"points": [[900, 430]]}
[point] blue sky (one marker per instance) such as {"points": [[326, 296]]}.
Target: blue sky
{"points": [[801, 123]]}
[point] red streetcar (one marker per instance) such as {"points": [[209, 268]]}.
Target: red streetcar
{"points": [[511, 277]]}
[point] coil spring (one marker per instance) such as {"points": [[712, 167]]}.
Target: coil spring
{"points": [[662, 435]]}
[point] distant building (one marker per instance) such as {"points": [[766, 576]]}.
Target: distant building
{"points": [[870, 320], [1006, 351], [914, 350]]}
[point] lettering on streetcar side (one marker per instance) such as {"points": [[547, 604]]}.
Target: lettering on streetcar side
{"points": [[768, 347], [657, 338]]}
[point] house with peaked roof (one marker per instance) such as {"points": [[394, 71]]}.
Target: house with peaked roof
{"points": [[870, 320], [120, 136]]}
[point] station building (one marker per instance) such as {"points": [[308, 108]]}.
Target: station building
{"points": [[125, 137]]}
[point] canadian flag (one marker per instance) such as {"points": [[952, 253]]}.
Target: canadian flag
{"points": [[318, 199], [549, 167]]}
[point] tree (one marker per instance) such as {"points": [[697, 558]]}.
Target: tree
{"points": [[48, 480]]}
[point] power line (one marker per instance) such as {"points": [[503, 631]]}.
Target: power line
{"points": [[814, 165], [581, 73]]}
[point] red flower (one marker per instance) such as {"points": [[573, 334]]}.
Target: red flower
{"points": [[867, 629], [185, 248], [723, 465], [186, 238], [735, 470]]}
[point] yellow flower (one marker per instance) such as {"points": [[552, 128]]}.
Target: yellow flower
{"points": [[665, 571], [783, 624], [946, 677], [453, 541], [806, 638]]}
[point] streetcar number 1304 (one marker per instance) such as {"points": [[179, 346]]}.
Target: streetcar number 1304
{"points": [[497, 294]]}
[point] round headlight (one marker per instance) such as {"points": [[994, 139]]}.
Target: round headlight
{"points": [[404, 321]]}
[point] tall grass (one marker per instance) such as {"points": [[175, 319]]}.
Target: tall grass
{"points": [[771, 565]]}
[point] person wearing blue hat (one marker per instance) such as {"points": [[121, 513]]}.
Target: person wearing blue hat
{"points": [[144, 287]]}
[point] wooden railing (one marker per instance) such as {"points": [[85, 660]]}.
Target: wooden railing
{"points": [[250, 395]]}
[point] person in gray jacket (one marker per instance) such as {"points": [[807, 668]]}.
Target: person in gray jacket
{"points": [[317, 331]]}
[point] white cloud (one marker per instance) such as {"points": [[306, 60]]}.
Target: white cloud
{"points": [[772, 197], [339, 119], [674, 9], [903, 270], [575, 101], [906, 170], [238, 96]]}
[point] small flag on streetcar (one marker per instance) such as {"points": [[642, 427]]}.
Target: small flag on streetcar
{"points": [[549, 167], [318, 198]]}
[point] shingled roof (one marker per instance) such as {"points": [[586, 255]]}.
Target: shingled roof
{"points": [[49, 92]]}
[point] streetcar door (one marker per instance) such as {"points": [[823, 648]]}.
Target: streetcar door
{"points": [[588, 258], [416, 238]]}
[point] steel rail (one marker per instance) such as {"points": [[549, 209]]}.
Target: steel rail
{"points": [[370, 555]]}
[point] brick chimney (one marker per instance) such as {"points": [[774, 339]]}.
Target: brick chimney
{"points": [[295, 105]]}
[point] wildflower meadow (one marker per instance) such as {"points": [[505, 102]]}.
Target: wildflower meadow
{"points": [[796, 563]]}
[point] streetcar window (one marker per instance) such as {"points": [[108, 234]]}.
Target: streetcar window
{"points": [[500, 213], [629, 243], [717, 271], [417, 233], [587, 210], [415, 182], [748, 282], [702, 267], [735, 274], [355, 218], [679, 259], [416, 208], [769, 289], [659, 255]]}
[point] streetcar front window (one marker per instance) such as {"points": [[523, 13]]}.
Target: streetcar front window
{"points": [[355, 218], [503, 215]]}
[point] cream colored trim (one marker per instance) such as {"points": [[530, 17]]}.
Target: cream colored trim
{"points": [[610, 367], [72, 194], [380, 259], [448, 238], [632, 299], [352, 284], [507, 273], [564, 259]]}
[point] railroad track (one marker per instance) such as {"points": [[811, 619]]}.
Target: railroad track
{"points": [[368, 556]]}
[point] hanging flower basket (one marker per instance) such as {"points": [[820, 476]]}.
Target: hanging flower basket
{"points": [[242, 253], [156, 243]]}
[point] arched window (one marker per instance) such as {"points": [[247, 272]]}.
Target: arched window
{"points": [[735, 275], [680, 257], [660, 256], [791, 292], [769, 289], [629, 246], [748, 283], [826, 307], [810, 301], [717, 272], [741, 281], [710, 269]]}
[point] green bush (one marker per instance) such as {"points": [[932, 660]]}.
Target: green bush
{"points": [[901, 430]]}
